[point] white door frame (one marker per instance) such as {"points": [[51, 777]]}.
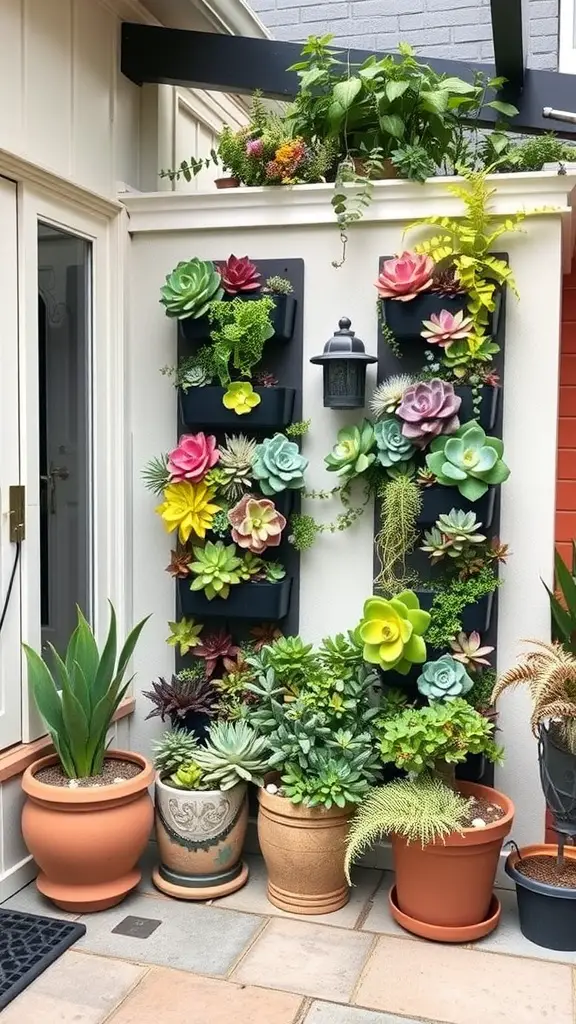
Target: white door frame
{"points": [[108, 430]]}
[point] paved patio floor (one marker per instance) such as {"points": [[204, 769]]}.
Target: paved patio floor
{"points": [[241, 961]]}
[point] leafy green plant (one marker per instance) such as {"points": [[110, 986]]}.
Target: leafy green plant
{"points": [[233, 753], [400, 505], [421, 810], [327, 781], [190, 288], [563, 608], [304, 529], [78, 698], [239, 332], [501, 153], [342, 654], [174, 748], [290, 659], [298, 429], [450, 600]]}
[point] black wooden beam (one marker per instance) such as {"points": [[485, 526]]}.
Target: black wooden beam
{"points": [[240, 65], [509, 33]]}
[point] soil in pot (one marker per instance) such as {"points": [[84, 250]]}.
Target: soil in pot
{"points": [[446, 887], [546, 894], [303, 849], [114, 770], [87, 839]]}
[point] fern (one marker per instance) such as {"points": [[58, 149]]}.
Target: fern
{"points": [[422, 810], [401, 505]]}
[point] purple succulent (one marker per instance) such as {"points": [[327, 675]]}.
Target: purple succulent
{"points": [[427, 410]]}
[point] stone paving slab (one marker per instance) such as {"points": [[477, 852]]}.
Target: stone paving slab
{"points": [[252, 898], [332, 1013], [30, 901], [307, 958], [77, 989], [463, 986], [171, 997], [507, 938], [189, 937]]}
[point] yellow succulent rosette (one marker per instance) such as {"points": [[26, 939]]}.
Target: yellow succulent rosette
{"points": [[240, 397], [188, 508], [393, 630]]}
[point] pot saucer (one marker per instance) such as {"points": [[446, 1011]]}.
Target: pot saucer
{"points": [[200, 892], [441, 933]]}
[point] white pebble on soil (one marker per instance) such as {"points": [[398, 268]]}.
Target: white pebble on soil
{"points": [[119, 780], [478, 823], [271, 788], [73, 784]]}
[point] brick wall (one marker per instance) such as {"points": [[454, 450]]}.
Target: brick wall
{"points": [[458, 29]]}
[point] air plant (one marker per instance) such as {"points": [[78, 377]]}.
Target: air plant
{"points": [[388, 395], [156, 474], [549, 672], [467, 649], [239, 275], [405, 276], [236, 459]]}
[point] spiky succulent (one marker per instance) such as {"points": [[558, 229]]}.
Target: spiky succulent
{"points": [[179, 564], [549, 673], [190, 288], [233, 753], [215, 647], [174, 748], [236, 459], [177, 698], [184, 634], [156, 474], [455, 534], [388, 395], [216, 569]]}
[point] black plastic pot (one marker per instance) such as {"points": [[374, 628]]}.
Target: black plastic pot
{"points": [[405, 318], [472, 769], [202, 408], [474, 617], [488, 405], [438, 499], [547, 913], [261, 602], [558, 779]]}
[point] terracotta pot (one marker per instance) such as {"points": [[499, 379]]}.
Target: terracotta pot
{"points": [[87, 841], [444, 890], [200, 836], [303, 848], [388, 169], [229, 182]]}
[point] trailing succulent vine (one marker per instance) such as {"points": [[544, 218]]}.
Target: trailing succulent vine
{"points": [[401, 502]]}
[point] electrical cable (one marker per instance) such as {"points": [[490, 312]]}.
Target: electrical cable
{"points": [[10, 585]]}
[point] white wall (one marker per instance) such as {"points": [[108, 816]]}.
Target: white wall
{"points": [[336, 575]]}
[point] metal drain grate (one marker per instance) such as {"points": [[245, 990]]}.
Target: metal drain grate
{"points": [[28, 945]]}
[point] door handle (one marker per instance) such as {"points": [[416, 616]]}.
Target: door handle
{"points": [[54, 473]]}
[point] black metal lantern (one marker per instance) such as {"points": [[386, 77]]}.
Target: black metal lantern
{"points": [[344, 362]]}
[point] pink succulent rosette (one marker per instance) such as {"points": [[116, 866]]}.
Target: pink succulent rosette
{"points": [[194, 456], [444, 327], [256, 524], [427, 410], [405, 276]]}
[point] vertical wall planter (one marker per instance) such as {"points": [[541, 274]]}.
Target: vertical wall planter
{"points": [[258, 602], [439, 499], [405, 318], [202, 409]]}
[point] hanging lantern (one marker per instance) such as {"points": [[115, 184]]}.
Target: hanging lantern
{"points": [[344, 362]]}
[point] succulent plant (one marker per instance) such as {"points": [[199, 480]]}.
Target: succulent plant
{"points": [[174, 748], [195, 455], [427, 410], [188, 508], [388, 395], [469, 460], [392, 632], [185, 633], [216, 569], [251, 567], [179, 564], [278, 285], [233, 753], [455, 534], [256, 524], [220, 525], [425, 478], [273, 572], [265, 379], [264, 635], [194, 377], [352, 454], [468, 650], [278, 465], [179, 697], [239, 275], [189, 776], [444, 679], [444, 328], [436, 545], [392, 446], [405, 276], [213, 648], [240, 397], [236, 458], [446, 283], [190, 288]]}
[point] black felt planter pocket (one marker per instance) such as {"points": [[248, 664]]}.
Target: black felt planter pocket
{"points": [[195, 328], [486, 416], [260, 602], [437, 500], [202, 409], [475, 616], [405, 319]]}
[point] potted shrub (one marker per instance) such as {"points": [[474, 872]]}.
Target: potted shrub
{"points": [[87, 815], [316, 712], [446, 835], [202, 809], [545, 875]]}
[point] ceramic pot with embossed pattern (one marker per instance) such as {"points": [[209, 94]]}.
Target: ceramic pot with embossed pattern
{"points": [[200, 835]]}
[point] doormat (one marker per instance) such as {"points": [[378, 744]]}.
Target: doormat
{"points": [[28, 945]]}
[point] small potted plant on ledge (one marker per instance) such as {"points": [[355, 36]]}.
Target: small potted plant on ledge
{"points": [[87, 815], [316, 711], [202, 809], [545, 874]]}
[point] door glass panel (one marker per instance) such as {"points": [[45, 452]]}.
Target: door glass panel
{"points": [[64, 323]]}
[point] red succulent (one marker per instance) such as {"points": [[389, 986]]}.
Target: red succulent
{"points": [[179, 565], [177, 698], [239, 274], [215, 646]]}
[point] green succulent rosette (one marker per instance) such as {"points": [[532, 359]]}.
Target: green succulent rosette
{"points": [[468, 460], [393, 630], [190, 288], [352, 454], [278, 465]]}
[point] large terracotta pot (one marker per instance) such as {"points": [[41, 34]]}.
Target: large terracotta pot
{"points": [[303, 848], [87, 841], [200, 836], [444, 891]]}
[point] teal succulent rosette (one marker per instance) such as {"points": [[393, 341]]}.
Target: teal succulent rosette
{"points": [[278, 465], [444, 679], [468, 460], [392, 447]]}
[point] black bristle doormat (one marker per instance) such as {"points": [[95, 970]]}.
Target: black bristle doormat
{"points": [[28, 945]]}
